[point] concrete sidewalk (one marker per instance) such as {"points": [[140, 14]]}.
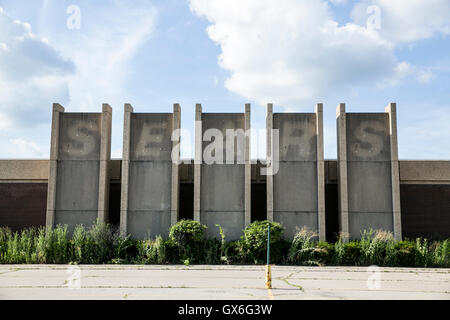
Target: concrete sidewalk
{"points": [[219, 282]]}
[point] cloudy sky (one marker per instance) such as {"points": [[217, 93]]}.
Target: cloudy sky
{"points": [[223, 54]]}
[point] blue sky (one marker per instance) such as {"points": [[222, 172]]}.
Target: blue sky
{"points": [[223, 54]]}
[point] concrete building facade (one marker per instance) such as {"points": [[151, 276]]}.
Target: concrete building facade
{"points": [[146, 192]]}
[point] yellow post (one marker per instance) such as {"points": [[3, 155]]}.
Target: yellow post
{"points": [[268, 277]]}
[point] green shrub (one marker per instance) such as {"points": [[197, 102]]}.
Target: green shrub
{"points": [[189, 236], [324, 253], [81, 246], [125, 250], [187, 231], [52, 245], [441, 254], [373, 246], [252, 246], [212, 252], [339, 251], [102, 243], [152, 251], [352, 253], [405, 253], [99, 244], [391, 257], [103, 238], [302, 248], [422, 253], [17, 248]]}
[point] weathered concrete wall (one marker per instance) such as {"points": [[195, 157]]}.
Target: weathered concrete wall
{"points": [[223, 195], [365, 173], [78, 181], [295, 186], [147, 175], [425, 195]]}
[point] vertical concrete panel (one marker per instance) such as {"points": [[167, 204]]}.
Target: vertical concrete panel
{"points": [[79, 161], [148, 184], [223, 185], [295, 185], [368, 172]]}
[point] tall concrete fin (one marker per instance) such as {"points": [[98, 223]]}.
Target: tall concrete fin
{"points": [[150, 183], [368, 177], [222, 172], [295, 191], [78, 188]]}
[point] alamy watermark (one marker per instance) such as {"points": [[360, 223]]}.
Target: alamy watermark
{"points": [[374, 280], [374, 20], [229, 147], [74, 19], [73, 281]]}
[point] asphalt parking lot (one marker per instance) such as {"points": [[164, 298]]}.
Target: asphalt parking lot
{"points": [[50, 282]]}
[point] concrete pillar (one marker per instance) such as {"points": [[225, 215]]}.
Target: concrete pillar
{"points": [[222, 180], [105, 158], [175, 164], [150, 175], [53, 163], [342, 171], [128, 110], [391, 109], [248, 168], [78, 189], [369, 192], [198, 160], [269, 163], [320, 172], [295, 191]]}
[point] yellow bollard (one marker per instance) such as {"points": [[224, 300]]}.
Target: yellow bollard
{"points": [[268, 277]]}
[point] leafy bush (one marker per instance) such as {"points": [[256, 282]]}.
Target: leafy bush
{"points": [[324, 253], [252, 246], [187, 231], [405, 253], [352, 253], [189, 236]]}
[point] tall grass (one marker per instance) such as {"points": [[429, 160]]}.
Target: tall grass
{"points": [[101, 243], [374, 245], [303, 248]]}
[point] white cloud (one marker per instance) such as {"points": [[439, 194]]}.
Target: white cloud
{"points": [[32, 73], [407, 20], [81, 69], [292, 51], [21, 148], [424, 76]]}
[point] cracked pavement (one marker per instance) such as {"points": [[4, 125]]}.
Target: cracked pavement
{"points": [[51, 282]]}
